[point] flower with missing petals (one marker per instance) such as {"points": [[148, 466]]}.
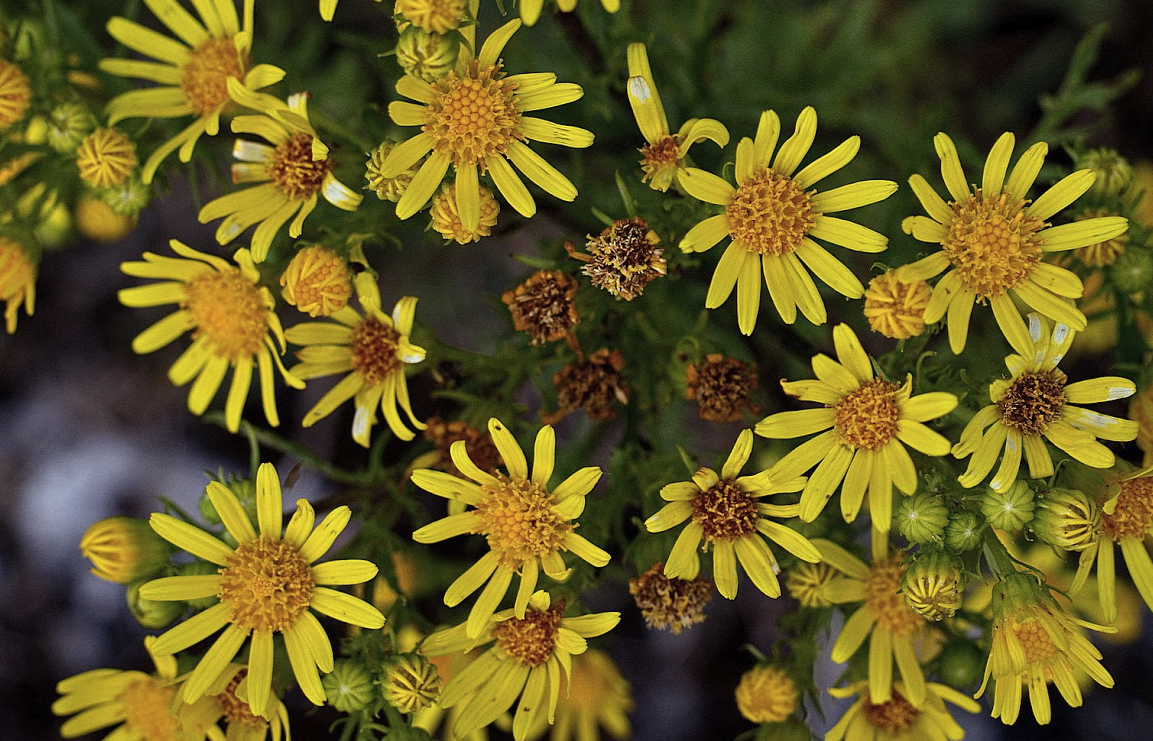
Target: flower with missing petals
{"points": [[721, 387], [670, 604], [544, 306], [623, 259]]}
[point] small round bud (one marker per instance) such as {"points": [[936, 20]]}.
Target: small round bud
{"points": [[348, 687], [806, 583], [446, 218], [124, 549], [106, 158], [961, 664], [390, 189], [933, 584], [96, 220], [15, 94], [128, 198], [317, 281], [151, 614], [427, 56], [1132, 271], [245, 491], [1113, 171], [766, 694], [963, 533], [1010, 509], [67, 125], [1066, 518], [410, 683], [922, 517], [896, 309]]}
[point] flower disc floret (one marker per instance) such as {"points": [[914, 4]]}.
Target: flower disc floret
{"points": [[204, 77], [725, 512], [770, 214], [530, 640], [894, 715], [267, 583], [1033, 401], [883, 595], [473, 114], [374, 344], [292, 168], [518, 519], [993, 242], [1132, 515], [867, 418], [229, 311]]}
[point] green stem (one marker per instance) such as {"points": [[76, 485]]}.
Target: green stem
{"points": [[323, 121], [1002, 564]]}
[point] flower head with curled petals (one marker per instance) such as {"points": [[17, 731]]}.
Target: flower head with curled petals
{"points": [[665, 156], [474, 120], [727, 513], [993, 240], [193, 70], [1035, 405], [527, 525], [864, 426], [772, 219], [268, 584]]}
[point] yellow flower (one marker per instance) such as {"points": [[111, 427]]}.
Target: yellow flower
{"points": [[1035, 405], [485, 141], [373, 348], [773, 218], [232, 322], [726, 512], [124, 549], [391, 188], [266, 584], [884, 618], [317, 281], [896, 719], [106, 158], [17, 281], [595, 696], [530, 10], [97, 220], [433, 16], [15, 94], [292, 173], [525, 662], [993, 240], [871, 419], [664, 157], [896, 309], [192, 72], [526, 525], [766, 694], [139, 704], [226, 699], [1036, 642]]}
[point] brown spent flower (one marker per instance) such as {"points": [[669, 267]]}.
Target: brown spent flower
{"points": [[670, 604], [544, 306], [477, 443], [624, 258], [592, 385], [721, 387]]}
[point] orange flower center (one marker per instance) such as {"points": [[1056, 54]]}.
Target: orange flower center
{"points": [[148, 709], [660, 161], [374, 345], [1036, 641], [292, 169], [893, 716], [883, 596], [867, 418], [235, 709], [770, 214], [530, 640], [1133, 515], [204, 77], [268, 583], [229, 311], [1032, 402], [474, 115], [993, 243], [724, 512], [517, 518]]}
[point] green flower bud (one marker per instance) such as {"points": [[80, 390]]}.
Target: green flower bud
{"points": [[410, 683], [1010, 509], [1016, 592], [407, 733], [1112, 170], [427, 56], [922, 517], [124, 549], [1133, 270], [67, 125], [963, 533], [348, 687], [933, 584], [1066, 518], [129, 198], [961, 664], [151, 614]]}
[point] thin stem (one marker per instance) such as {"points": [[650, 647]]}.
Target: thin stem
{"points": [[1002, 564]]}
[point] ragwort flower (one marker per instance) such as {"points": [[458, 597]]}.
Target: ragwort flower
{"points": [[871, 421], [595, 696], [267, 583], [896, 719], [527, 526], [772, 219], [726, 512], [1036, 405], [664, 157], [226, 700], [993, 240], [293, 170], [192, 72], [373, 349], [232, 322], [474, 120], [525, 662]]}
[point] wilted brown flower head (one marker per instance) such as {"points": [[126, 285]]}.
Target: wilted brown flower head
{"points": [[478, 444], [592, 384], [623, 258], [543, 305], [721, 387], [670, 604]]}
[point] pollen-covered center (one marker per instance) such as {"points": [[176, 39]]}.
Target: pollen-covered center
{"points": [[374, 345], [268, 584], [237, 710], [1032, 402], [1036, 641], [660, 157], [867, 418], [292, 169], [148, 709], [474, 115], [883, 596], [1133, 514], [893, 716], [228, 310], [770, 214], [530, 640], [993, 243], [516, 517], [724, 512], [204, 77]]}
